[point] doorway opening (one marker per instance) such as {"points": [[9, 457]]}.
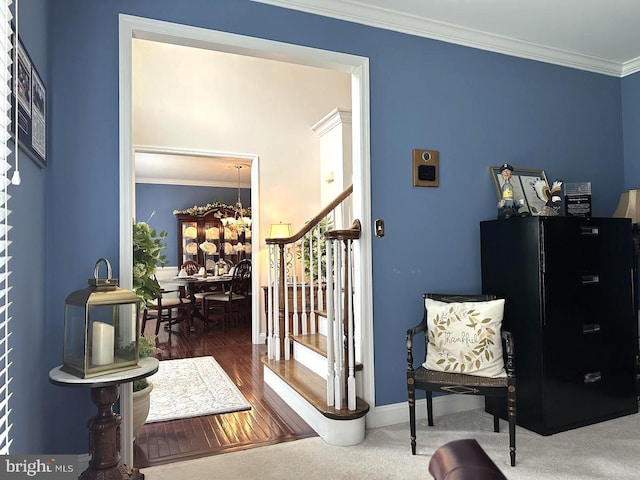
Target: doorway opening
{"points": [[135, 27], [209, 171]]}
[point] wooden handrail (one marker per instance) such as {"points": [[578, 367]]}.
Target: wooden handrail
{"points": [[338, 303], [313, 222], [351, 233]]}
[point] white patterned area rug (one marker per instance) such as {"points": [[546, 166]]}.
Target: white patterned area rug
{"points": [[192, 387]]}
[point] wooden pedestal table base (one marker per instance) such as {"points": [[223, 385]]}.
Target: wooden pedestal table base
{"points": [[104, 428]]}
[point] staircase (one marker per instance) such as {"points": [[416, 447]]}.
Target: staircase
{"points": [[312, 352]]}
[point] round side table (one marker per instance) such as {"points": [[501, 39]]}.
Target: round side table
{"points": [[104, 428]]}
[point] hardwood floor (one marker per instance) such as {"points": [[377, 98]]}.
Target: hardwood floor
{"points": [[269, 421]]}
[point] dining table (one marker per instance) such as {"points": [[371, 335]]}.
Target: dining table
{"points": [[201, 283]]}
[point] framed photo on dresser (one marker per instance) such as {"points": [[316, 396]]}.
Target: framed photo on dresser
{"points": [[523, 180]]}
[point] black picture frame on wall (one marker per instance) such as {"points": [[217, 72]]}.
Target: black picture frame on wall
{"points": [[30, 94]]}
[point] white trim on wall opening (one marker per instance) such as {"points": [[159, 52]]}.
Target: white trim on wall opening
{"points": [[136, 27]]}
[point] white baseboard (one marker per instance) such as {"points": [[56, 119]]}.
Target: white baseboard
{"points": [[83, 462], [442, 405]]}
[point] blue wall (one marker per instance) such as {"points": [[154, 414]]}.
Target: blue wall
{"points": [[164, 199], [29, 331], [477, 108], [631, 124]]}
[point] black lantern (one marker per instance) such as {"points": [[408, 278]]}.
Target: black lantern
{"points": [[101, 327]]}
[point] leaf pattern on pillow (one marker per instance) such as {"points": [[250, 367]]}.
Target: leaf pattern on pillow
{"points": [[468, 360]]}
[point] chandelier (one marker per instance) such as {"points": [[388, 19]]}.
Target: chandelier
{"points": [[240, 220]]}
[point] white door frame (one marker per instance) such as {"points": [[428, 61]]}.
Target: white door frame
{"points": [[255, 213], [137, 27]]}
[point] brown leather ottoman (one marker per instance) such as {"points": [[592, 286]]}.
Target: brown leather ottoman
{"points": [[463, 460]]}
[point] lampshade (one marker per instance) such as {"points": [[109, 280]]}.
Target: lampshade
{"points": [[629, 206], [280, 230]]}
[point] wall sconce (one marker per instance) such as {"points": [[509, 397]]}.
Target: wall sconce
{"points": [[280, 230], [329, 177]]}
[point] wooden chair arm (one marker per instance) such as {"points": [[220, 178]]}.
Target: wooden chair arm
{"points": [[508, 340], [164, 291], [181, 295], [510, 363], [412, 332]]}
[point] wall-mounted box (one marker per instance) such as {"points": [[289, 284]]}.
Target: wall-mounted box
{"points": [[426, 165]]}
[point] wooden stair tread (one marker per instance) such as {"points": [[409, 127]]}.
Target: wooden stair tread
{"points": [[313, 388], [317, 342]]}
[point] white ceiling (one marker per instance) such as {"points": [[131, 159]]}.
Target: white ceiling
{"points": [[596, 35], [193, 170]]}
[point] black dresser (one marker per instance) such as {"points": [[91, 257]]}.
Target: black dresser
{"points": [[568, 284]]}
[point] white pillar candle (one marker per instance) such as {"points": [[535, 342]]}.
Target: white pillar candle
{"points": [[102, 344]]}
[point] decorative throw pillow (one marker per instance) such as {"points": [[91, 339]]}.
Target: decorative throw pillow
{"points": [[464, 337]]}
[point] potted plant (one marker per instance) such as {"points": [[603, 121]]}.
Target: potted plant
{"points": [[147, 247], [142, 387]]}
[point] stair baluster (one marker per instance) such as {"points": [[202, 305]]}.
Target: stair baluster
{"points": [[330, 330], [301, 267]]}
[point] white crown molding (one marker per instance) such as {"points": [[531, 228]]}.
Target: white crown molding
{"points": [[336, 117], [424, 27], [187, 182], [630, 67]]}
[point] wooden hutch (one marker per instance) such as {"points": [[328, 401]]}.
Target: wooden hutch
{"points": [[203, 237]]}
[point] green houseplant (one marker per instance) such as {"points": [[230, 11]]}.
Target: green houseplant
{"points": [[147, 256], [146, 348], [310, 259], [142, 388]]}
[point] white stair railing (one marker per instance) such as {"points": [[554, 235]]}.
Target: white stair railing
{"points": [[311, 272], [340, 244]]}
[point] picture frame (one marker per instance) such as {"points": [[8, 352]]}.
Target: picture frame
{"points": [[523, 180], [29, 95]]}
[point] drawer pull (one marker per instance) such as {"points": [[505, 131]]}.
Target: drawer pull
{"points": [[589, 230], [590, 279], [592, 377], [590, 328]]}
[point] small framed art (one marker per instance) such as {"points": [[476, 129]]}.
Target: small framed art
{"points": [[523, 180], [29, 95]]}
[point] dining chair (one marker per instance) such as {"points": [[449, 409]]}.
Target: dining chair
{"points": [[190, 267], [170, 307], [233, 302]]}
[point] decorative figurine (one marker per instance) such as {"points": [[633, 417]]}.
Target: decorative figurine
{"points": [[507, 206], [548, 195]]}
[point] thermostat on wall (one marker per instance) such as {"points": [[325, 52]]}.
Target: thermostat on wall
{"points": [[425, 168]]}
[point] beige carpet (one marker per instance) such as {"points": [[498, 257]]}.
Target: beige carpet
{"points": [[608, 450], [211, 391]]}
